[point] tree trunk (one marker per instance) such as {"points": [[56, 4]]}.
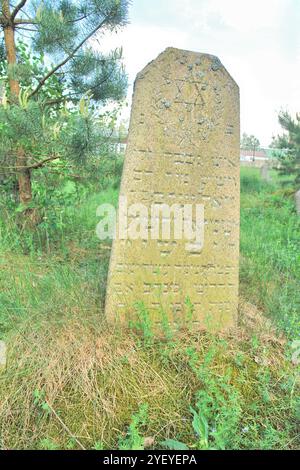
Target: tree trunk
{"points": [[9, 38], [24, 179], [30, 216], [23, 173]]}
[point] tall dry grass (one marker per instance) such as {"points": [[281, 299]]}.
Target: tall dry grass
{"points": [[77, 382]]}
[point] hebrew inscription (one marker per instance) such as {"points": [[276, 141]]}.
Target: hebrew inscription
{"points": [[183, 148]]}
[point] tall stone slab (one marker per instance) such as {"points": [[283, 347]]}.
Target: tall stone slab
{"points": [[183, 147], [265, 172], [2, 355], [297, 201]]}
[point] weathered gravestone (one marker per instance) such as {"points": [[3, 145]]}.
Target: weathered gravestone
{"points": [[297, 201], [2, 355], [183, 148], [265, 172]]}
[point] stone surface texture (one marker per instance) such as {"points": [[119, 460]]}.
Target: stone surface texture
{"points": [[183, 147]]}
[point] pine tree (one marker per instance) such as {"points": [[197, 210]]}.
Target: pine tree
{"points": [[289, 143], [60, 33]]}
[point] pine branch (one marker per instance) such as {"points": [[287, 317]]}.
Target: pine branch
{"points": [[25, 21], [17, 9], [4, 19], [55, 101], [84, 17], [63, 62], [30, 30], [42, 163], [34, 166]]}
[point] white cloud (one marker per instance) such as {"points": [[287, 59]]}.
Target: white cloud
{"points": [[249, 16], [249, 38], [240, 15], [141, 44]]}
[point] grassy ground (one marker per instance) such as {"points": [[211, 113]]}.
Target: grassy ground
{"points": [[72, 382], [270, 250]]}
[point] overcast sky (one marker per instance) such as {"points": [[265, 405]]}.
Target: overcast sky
{"points": [[258, 41]]}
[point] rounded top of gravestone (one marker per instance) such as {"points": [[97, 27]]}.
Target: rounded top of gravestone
{"points": [[198, 63]]}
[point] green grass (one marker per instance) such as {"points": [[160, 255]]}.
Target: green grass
{"points": [[270, 251], [71, 381]]}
